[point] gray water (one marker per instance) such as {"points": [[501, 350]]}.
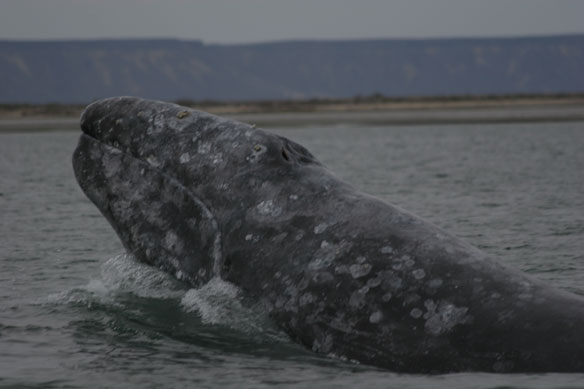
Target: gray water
{"points": [[75, 312]]}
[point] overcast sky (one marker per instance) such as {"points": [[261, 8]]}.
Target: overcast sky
{"points": [[236, 21]]}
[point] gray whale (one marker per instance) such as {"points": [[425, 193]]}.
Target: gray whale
{"points": [[340, 271]]}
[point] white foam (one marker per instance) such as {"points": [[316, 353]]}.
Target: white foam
{"points": [[212, 301], [220, 302], [121, 274]]}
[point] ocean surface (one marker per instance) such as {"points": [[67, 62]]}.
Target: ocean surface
{"points": [[76, 312]]}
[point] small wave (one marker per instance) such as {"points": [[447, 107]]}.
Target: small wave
{"points": [[221, 303], [122, 274], [94, 292], [216, 303]]}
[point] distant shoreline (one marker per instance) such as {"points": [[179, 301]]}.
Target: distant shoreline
{"points": [[370, 110]]}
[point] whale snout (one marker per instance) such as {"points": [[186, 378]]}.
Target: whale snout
{"points": [[147, 130], [117, 122]]}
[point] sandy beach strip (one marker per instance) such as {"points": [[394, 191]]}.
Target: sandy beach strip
{"points": [[293, 114]]}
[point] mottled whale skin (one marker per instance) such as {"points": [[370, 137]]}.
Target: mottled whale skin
{"points": [[340, 271]]}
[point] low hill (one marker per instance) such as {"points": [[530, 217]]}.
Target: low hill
{"points": [[81, 71]]}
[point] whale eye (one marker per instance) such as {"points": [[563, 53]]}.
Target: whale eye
{"points": [[257, 148], [285, 155]]}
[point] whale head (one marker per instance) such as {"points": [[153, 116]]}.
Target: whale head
{"points": [[172, 181]]}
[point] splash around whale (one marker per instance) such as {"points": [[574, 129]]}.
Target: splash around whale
{"points": [[338, 270]]}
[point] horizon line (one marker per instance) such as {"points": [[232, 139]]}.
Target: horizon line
{"points": [[291, 40]]}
